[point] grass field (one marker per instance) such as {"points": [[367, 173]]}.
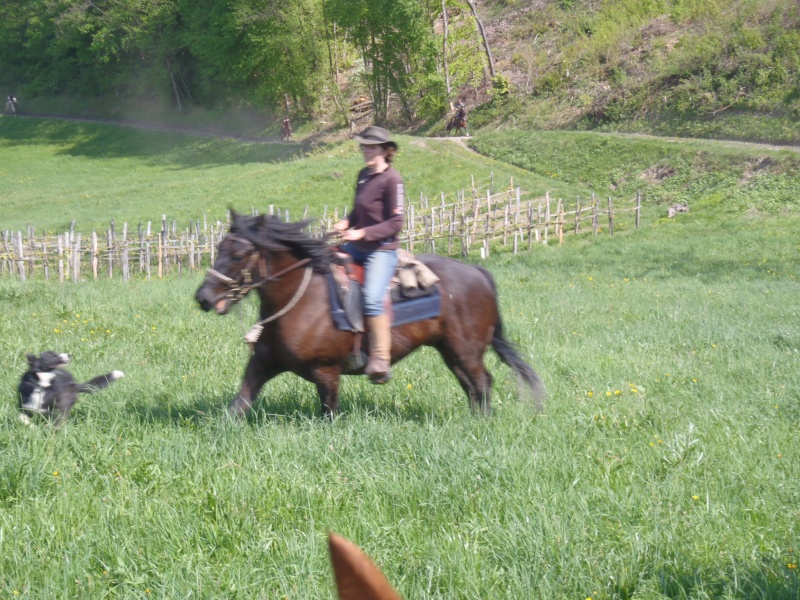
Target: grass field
{"points": [[665, 465]]}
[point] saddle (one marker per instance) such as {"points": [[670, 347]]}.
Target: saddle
{"points": [[413, 295]]}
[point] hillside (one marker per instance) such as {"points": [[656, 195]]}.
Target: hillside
{"points": [[720, 69], [726, 69]]}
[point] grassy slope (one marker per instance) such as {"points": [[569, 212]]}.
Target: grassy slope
{"points": [[722, 69], [666, 465], [54, 171]]}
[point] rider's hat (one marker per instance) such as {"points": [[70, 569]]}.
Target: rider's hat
{"points": [[373, 136]]}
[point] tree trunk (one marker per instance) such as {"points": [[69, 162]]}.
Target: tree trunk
{"points": [[444, 50], [174, 84], [483, 35]]}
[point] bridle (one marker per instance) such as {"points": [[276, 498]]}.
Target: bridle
{"points": [[238, 288]]}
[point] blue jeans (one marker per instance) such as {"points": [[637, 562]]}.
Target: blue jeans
{"points": [[379, 266]]}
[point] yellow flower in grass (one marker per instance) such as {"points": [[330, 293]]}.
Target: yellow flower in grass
{"points": [[695, 497]]}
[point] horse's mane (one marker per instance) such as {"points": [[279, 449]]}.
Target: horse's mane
{"points": [[270, 233]]}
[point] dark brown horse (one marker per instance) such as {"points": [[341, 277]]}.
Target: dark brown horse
{"points": [[286, 129], [459, 123], [296, 333]]}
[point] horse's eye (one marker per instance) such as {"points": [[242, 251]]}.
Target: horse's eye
{"points": [[236, 259]]}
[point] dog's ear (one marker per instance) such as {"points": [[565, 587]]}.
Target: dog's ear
{"points": [[31, 358], [357, 578]]}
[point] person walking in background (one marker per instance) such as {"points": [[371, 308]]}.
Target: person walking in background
{"points": [[370, 232], [11, 104]]}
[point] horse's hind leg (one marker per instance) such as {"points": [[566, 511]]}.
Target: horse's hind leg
{"points": [[475, 380], [259, 370]]}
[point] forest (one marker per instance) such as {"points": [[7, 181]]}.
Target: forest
{"points": [[296, 57]]}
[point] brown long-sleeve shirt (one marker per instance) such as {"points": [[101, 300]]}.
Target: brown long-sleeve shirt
{"points": [[378, 209]]}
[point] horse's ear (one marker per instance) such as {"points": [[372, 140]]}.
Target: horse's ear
{"points": [[357, 578], [31, 358]]}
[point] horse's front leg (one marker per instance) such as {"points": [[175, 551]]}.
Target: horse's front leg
{"points": [[327, 381], [260, 369]]}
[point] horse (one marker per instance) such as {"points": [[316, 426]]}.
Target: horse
{"points": [[286, 130], [459, 123], [287, 268], [11, 106]]}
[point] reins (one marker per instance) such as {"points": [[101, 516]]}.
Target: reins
{"points": [[255, 331], [238, 289]]}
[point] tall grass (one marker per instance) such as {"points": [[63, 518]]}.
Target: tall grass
{"points": [[665, 466]]}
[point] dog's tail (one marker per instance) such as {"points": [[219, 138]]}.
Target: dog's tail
{"points": [[99, 382]]}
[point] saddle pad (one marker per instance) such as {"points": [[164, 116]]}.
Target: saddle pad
{"points": [[405, 311]]}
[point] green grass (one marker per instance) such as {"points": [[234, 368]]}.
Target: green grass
{"points": [[54, 171], [734, 177], [666, 465]]}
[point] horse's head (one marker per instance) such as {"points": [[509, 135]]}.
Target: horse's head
{"points": [[240, 266]]}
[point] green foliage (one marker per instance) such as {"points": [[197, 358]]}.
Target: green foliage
{"points": [[501, 85], [640, 65]]}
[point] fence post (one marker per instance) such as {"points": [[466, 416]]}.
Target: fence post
{"points": [[31, 250], [60, 244], [94, 254], [578, 215], [638, 207], [126, 270], [45, 259], [147, 260], [610, 217], [546, 216], [20, 257], [76, 258], [110, 244]]}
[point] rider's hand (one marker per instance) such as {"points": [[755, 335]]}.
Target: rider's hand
{"points": [[341, 225], [353, 235]]}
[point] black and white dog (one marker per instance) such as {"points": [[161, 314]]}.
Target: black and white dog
{"points": [[47, 389]]}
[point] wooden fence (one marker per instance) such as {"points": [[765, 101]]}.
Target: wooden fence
{"points": [[474, 220]]}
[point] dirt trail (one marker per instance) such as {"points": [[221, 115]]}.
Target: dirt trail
{"points": [[460, 140]]}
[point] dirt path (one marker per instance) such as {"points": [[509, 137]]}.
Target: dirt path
{"points": [[152, 127], [460, 140]]}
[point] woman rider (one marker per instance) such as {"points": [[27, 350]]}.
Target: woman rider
{"points": [[370, 231]]}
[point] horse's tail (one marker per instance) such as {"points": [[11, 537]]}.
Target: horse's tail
{"points": [[510, 356]]}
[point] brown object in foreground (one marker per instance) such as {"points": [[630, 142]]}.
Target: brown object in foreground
{"points": [[357, 578]]}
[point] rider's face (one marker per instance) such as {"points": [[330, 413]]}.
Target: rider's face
{"points": [[374, 155]]}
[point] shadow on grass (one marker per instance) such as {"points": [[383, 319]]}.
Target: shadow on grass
{"points": [[170, 148], [299, 406], [773, 581]]}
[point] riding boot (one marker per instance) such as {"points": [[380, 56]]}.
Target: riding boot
{"points": [[380, 349]]}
